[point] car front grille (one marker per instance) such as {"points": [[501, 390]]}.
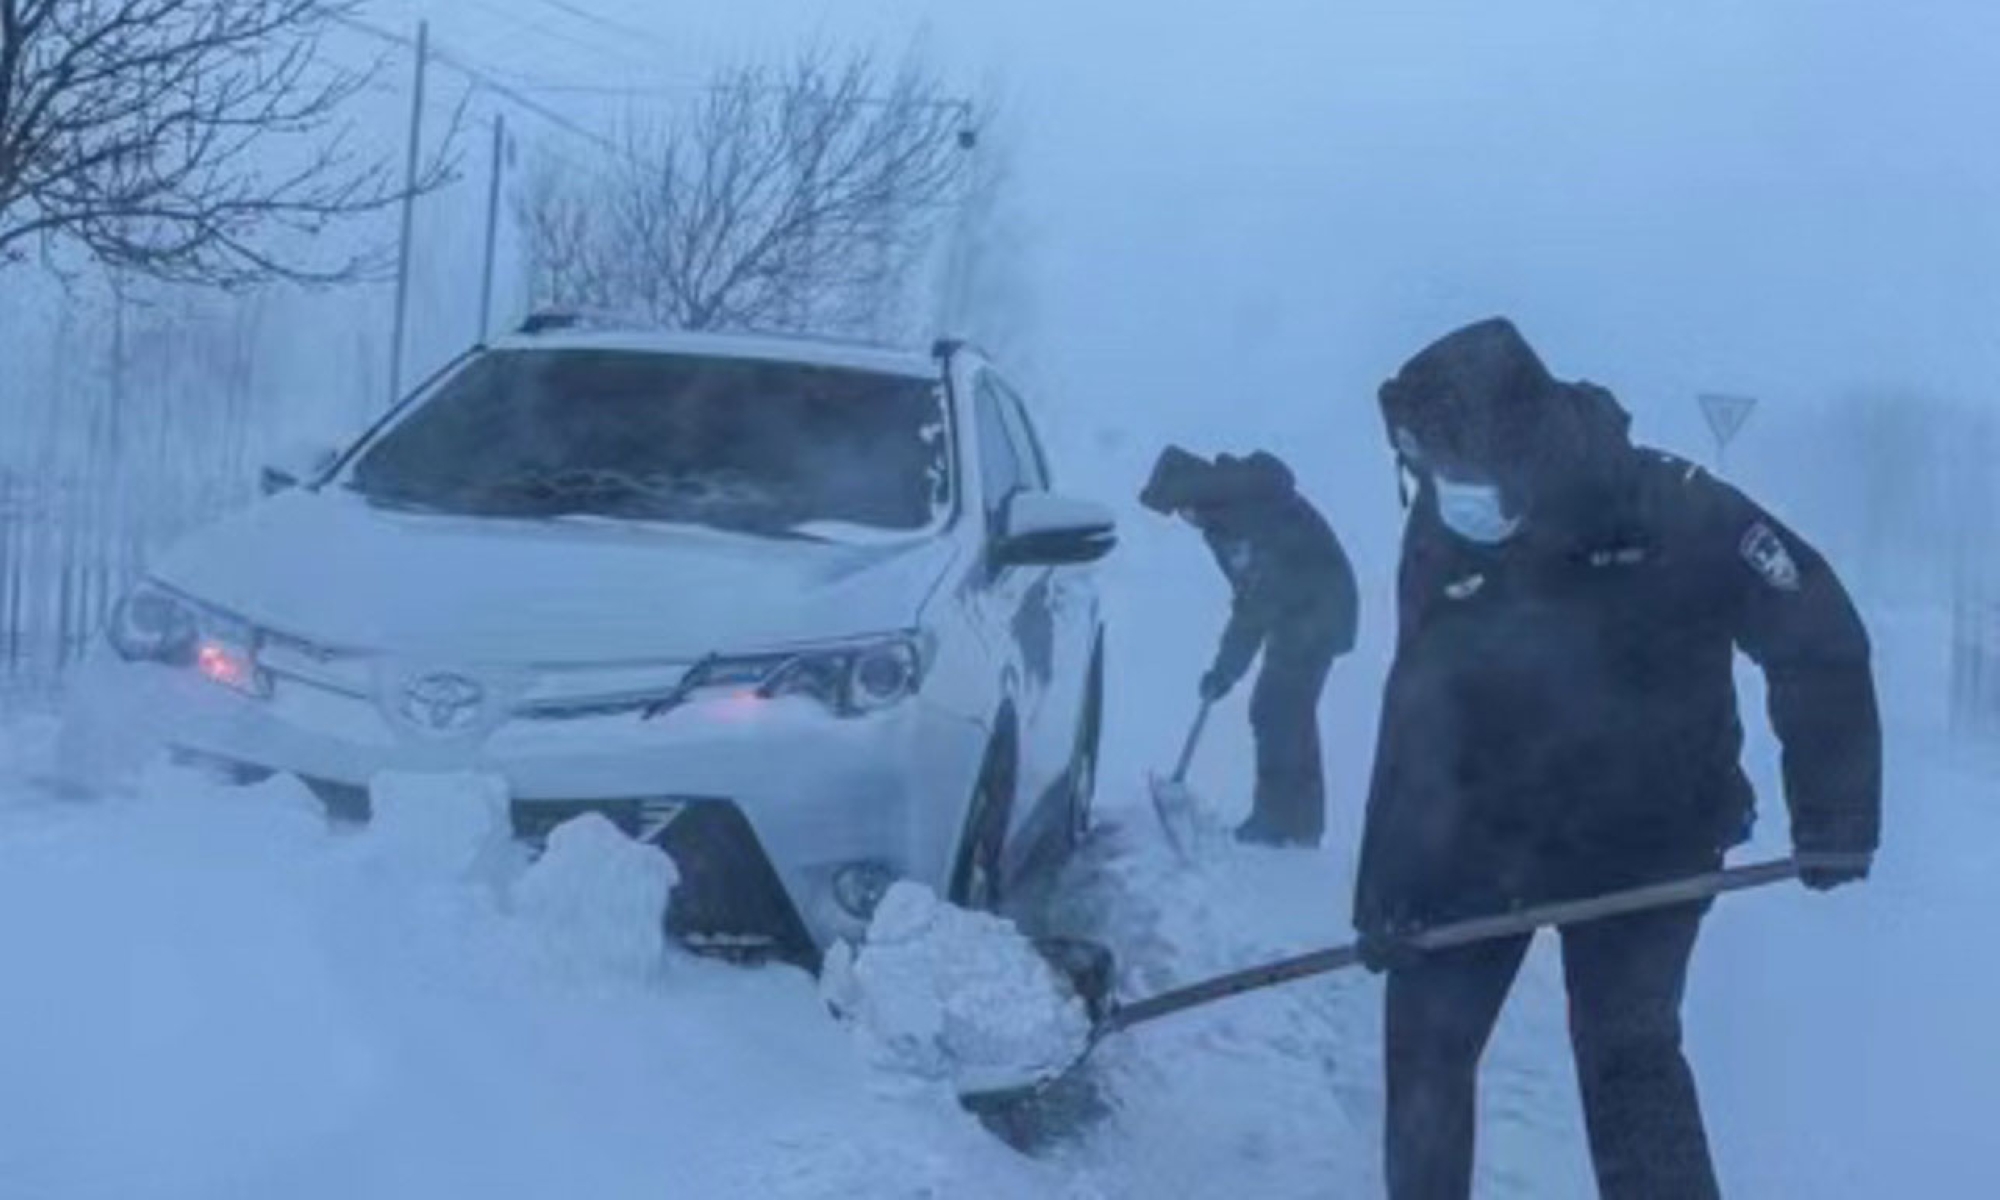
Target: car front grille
{"points": [[729, 901], [636, 817]]}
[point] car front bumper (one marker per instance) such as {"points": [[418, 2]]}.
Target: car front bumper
{"points": [[821, 792]]}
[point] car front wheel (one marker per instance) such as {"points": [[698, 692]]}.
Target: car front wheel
{"points": [[976, 881], [1083, 764]]}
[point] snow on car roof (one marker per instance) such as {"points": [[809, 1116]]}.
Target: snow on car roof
{"points": [[818, 352]]}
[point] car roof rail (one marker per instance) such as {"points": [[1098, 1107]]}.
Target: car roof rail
{"points": [[560, 320], [549, 320], [945, 349], [555, 320]]}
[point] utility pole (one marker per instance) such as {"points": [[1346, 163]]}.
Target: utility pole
{"points": [[115, 434], [409, 215], [492, 226]]}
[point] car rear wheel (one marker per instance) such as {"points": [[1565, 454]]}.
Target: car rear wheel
{"points": [[977, 879]]}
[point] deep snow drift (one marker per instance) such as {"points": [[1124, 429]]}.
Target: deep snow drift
{"points": [[208, 993]]}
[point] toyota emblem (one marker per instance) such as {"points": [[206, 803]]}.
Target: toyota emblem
{"points": [[442, 703]]}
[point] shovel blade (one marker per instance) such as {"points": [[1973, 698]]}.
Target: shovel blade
{"points": [[1088, 971], [1175, 807], [995, 1092]]}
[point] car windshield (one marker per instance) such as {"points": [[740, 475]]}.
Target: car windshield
{"points": [[766, 448]]}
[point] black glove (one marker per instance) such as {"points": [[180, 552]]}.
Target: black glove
{"points": [[1389, 949], [1215, 685], [1825, 870]]}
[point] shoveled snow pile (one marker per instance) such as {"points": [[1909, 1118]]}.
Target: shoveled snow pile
{"points": [[442, 824], [960, 997], [598, 896]]}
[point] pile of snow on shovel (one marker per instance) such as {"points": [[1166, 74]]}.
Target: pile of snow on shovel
{"points": [[957, 997]]}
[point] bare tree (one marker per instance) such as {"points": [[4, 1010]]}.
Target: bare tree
{"points": [[181, 138], [569, 252], [788, 199]]}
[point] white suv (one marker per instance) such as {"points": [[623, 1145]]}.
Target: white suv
{"points": [[810, 615]]}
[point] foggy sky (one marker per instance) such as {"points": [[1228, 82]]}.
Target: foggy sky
{"points": [[1243, 215]]}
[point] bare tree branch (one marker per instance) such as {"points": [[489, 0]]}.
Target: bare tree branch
{"points": [[194, 141], [784, 199]]}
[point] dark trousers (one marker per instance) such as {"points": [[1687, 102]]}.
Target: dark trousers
{"points": [[1284, 715], [1625, 977]]}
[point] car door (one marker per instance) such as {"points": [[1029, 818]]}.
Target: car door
{"points": [[1015, 616], [1062, 612]]}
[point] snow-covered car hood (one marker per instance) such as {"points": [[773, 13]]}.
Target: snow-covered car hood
{"points": [[331, 568]]}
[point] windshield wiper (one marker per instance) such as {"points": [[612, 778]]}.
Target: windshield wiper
{"points": [[602, 495], [578, 491]]}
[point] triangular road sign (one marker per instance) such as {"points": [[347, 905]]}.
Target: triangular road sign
{"points": [[1726, 414]]}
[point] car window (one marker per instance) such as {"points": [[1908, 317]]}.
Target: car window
{"points": [[999, 465], [1027, 445], [751, 446]]}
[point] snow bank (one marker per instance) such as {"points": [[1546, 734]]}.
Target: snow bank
{"points": [[956, 996], [435, 823], [594, 899], [210, 996]]}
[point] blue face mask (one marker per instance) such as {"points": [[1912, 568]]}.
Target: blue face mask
{"points": [[1474, 512]]}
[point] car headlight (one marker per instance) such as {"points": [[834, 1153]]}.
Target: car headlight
{"points": [[883, 675], [851, 680], [153, 624]]}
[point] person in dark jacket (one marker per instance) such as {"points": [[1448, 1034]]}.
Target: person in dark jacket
{"points": [[1295, 600], [1560, 721]]}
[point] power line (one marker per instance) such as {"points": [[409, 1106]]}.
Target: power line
{"points": [[543, 86], [542, 30], [480, 76], [485, 77], [623, 31], [963, 108]]}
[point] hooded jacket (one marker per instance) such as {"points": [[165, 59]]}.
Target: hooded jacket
{"points": [[1561, 717], [1284, 564]]}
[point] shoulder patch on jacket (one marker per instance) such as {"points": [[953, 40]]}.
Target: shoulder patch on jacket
{"points": [[1765, 551]]}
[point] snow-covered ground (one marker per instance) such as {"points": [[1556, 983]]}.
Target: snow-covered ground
{"points": [[209, 993], [1844, 1043]]}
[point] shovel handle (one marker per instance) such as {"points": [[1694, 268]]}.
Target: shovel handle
{"points": [[1193, 740], [1640, 899], [1462, 933]]}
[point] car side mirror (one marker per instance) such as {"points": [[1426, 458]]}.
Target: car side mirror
{"points": [[1042, 529], [295, 466]]}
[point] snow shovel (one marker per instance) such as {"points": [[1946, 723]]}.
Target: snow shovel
{"points": [[1173, 803], [1113, 1017]]}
